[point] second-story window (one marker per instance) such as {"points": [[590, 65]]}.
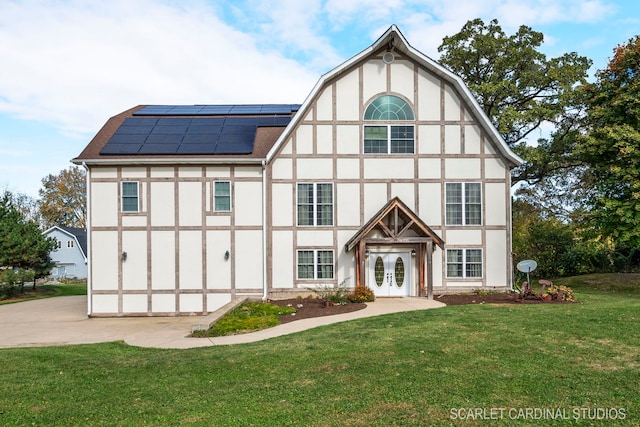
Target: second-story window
{"points": [[389, 138], [315, 204]]}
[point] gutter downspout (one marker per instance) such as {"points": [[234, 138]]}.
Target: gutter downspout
{"points": [[89, 251], [264, 230]]}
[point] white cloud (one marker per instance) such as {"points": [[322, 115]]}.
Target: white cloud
{"points": [[76, 63]]}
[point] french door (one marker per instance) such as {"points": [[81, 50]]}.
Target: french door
{"points": [[390, 273]]}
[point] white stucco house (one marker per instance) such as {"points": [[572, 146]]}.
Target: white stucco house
{"points": [[70, 254], [388, 175]]}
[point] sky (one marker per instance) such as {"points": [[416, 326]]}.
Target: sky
{"points": [[66, 67]]}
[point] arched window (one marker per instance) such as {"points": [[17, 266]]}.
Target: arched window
{"points": [[388, 138], [388, 107]]}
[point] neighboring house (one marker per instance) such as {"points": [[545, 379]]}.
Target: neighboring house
{"points": [[388, 175], [70, 254]]}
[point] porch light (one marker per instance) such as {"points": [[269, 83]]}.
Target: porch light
{"points": [[124, 256], [366, 253], [413, 252], [226, 255]]}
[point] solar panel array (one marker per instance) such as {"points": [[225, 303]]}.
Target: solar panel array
{"points": [[216, 110], [224, 131]]}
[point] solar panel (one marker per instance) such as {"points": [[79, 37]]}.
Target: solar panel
{"points": [[198, 138], [119, 138], [158, 149], [117, 148], [170, 130], [216, 110], [197, 149], [209, 121], [169, 121], [175, 139], [231, 130], [245, 109]]}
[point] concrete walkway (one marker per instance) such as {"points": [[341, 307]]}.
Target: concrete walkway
{"points": [[63, 320]]}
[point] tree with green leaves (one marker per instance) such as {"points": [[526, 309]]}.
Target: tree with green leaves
{"points": [[22, 244], [560, 248], [63, 198], [611, 147], [519, 89]]}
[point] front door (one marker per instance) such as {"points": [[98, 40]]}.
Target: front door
{"points": [[389, 273]]}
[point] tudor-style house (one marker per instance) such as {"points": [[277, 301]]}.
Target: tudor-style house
{"points": [[388, 175]]}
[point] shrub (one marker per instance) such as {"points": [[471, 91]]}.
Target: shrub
{"points": [[337, 295], [361, 294], [562, 293]]}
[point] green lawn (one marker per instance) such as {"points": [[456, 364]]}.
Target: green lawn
{"points": [[49, 291], [394, 370]]}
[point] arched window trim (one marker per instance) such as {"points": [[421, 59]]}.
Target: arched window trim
{"points": [[388, 108], [389, 138]]}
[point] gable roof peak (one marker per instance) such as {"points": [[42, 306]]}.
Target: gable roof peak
{"points": [[393, 39]]}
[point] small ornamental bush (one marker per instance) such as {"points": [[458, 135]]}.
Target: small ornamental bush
{"points": [[562, 293], [336, 295], [361, 294]]}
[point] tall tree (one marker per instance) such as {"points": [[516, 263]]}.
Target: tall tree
{"points": [[22, 244], [63, 198], [25, 204], [611, 148], [519, 88]]}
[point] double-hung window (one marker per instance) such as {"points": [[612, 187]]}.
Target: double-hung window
{"points": [[222, 196], [315, 204], [130, 198], [386, 138], [464, 263], [464, 203], [315, 264]]}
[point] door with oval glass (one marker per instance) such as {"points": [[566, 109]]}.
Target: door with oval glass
{"points": [[389, 273]]}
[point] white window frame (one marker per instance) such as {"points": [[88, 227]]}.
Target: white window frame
{"points": [[215, 208], [316, 264], [315, 204], [122, 196], [389, 139], [465, 263], [465, 203]]}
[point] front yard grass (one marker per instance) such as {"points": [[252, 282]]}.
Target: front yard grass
{"points": [[405, 369], [48, 291]]}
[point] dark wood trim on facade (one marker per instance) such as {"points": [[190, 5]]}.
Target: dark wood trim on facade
{"points": [[394, 221]]}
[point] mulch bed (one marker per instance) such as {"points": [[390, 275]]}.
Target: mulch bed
{"points": [[497, 298], [314, 307]]}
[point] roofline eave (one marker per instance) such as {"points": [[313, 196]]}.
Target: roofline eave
{"points": [[164, 161]]}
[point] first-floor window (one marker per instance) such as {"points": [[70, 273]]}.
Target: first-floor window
{"points": [[315, 264], [464, 263], [130, 196], [222, 196]]}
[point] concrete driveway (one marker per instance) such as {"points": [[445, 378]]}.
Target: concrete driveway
{"points": [[63, 320]]}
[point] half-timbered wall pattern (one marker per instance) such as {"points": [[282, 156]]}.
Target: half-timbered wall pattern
{"points": [[450, 146]]}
